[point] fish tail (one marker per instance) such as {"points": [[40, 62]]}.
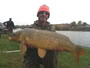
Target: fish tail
{"points": [[77, 52]]}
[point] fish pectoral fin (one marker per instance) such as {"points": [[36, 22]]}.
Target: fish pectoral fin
{"points": [[23, 48], [41, 52]]}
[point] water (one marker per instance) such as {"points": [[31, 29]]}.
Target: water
{"points": [[78, 37], [15, 30]]}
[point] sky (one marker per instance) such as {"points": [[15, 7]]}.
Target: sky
{"points": [[24, 12]]}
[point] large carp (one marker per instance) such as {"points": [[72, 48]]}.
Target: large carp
{"points": [[46, 40]]}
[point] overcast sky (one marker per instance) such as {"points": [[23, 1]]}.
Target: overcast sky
{"points": [[23, 12]]}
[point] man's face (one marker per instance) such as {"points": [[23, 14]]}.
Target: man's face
{"points": [[43, 16]]}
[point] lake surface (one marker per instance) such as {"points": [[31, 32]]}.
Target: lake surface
{"points": [[78, 37]]}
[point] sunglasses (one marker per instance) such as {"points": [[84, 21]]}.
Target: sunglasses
{"points": [[43, 12]]}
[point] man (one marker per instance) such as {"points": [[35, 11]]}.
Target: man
{"points": [[10, 25], [31, 58]]}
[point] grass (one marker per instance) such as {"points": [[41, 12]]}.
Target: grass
{"points": [[9, 60], [66, 60], [14, 60]]}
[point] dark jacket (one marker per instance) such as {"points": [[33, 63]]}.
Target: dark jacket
{"points": [[31, 56], [47, 26], [9, 24]]}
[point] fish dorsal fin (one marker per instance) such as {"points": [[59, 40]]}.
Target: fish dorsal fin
{"points": [[41, 52]]}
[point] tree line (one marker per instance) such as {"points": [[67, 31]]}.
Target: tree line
{"points": [[74, 26]]}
